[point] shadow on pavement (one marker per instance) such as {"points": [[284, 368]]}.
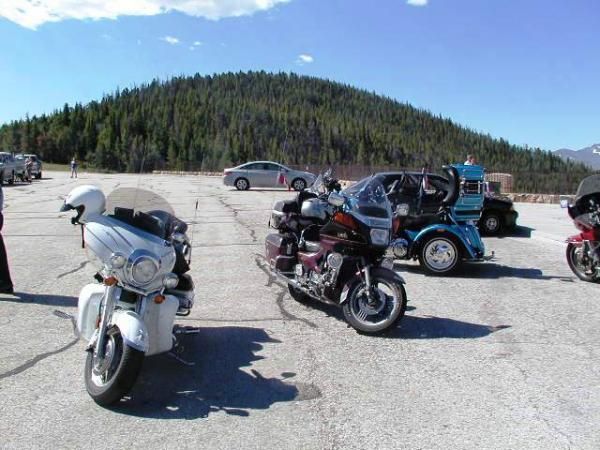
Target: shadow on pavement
{"points": [[263, 190], [431, 327], [426, 327], [518, 232], [41, 299], [167, 389], [489, 271]]}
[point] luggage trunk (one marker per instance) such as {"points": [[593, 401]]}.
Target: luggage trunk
{"points": [[280, 251]]}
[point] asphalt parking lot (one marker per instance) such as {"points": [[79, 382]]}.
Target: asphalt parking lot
{"points": [[503, 356]]}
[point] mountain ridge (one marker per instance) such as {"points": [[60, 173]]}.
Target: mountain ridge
{"points": [[589, 156], [209, 122]]}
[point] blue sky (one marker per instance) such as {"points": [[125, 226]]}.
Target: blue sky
{"points": [[525, 70]]}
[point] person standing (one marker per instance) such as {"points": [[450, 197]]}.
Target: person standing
{"points": [[6, 284], [73, 168], [28, 168]]}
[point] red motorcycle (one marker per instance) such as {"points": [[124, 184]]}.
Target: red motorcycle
{"points": [[583, 249]]}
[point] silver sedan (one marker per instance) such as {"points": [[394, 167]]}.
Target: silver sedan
{"points": [[266, 174]]}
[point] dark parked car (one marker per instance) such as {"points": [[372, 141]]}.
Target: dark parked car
{"points": [[498, 212]]}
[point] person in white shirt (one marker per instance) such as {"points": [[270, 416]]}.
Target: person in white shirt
{"points": [[470, 161]]}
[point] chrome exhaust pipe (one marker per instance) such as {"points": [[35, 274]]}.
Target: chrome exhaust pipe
{"points": [[295, 284]]}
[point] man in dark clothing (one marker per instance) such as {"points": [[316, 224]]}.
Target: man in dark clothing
{"points": [[6, 285]]}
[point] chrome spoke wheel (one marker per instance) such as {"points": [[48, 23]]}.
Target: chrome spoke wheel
{"points": [[581, 263], [103, 369], [377, 309]]}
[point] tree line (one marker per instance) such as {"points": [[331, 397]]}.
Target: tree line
{"points": [[211, 122]]}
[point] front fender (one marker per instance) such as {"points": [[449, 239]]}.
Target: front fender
{"points": [[132, 328], [576, 239], [88, 308], [441, 228], [374, 272]]}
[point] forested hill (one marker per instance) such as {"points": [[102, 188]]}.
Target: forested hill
{"points": [[209, 122]]}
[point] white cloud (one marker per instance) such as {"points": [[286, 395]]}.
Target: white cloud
{"points": [[33, 13], [170, 40], [195, 45], [417, 2], [304, 59]]}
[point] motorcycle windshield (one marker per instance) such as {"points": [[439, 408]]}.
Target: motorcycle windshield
{"points": [[318, 187], [368, 198], [137, 200], [135, 226], [588, 188]]}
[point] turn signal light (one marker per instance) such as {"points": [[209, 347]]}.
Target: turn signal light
{"points": [[346, 220], [110, 281], [159, 299]]}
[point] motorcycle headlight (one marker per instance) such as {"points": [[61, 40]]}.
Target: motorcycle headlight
{"points": [[170, 281], [379, 236], [117, 261], [144, 270]]}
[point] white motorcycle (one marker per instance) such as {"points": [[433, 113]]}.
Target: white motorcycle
{"points": [[143, 254]]}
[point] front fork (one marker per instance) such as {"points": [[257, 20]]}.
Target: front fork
{"points": [[109, 306], [367, 271]]}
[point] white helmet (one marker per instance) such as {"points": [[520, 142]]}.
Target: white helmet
{"points": [[87, 200]]}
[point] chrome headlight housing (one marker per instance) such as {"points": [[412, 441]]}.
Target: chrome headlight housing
{"points": [[117, 261], [380, 237], [170, 281], [142, 267], [335, 260]]}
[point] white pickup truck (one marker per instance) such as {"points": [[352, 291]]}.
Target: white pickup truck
{"points": [[11, 168]]}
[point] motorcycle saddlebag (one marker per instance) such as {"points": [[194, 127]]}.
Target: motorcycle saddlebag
{"points": [[280, 251]]}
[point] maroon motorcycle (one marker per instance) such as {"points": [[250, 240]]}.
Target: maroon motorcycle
{"points": [[583, 249], [337, 255]]}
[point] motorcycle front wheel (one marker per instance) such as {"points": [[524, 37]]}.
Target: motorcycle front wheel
{"points": [[579, 265], [380, 313], [109, 379]]}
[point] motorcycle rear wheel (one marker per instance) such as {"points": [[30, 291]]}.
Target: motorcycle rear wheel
{"points": [[574, 261], [364, 317], [115, 376], [439, 255]]}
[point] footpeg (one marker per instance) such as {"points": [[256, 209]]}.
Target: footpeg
{"points": [[186, 330]]}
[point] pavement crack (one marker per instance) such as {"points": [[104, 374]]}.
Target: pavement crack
{"points": [[237, 219], [36, 359], [69, 272], [259, 259]]}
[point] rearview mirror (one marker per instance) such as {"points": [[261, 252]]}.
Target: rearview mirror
{"points": [[336, 199], [402, 209]]}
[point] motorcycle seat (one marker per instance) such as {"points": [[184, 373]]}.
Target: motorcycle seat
{"points": [[420, 221], [287, 206], [158, 223]]}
